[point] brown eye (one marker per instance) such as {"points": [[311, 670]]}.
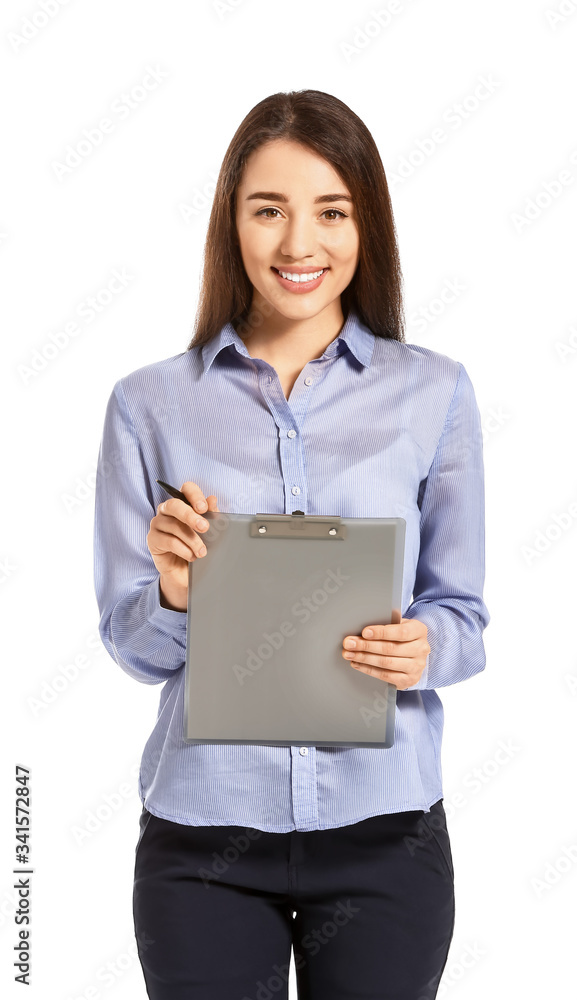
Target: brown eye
{"points": [[337, 210]]}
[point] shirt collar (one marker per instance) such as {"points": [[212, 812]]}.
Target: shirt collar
{"points": [[354, 335]]}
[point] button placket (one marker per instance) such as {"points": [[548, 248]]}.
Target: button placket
{"points": [[292, 464], [304, 787]]}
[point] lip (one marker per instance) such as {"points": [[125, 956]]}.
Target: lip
{"points": [[300, 270], [300, 287]]}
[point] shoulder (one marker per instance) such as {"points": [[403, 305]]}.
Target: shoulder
{"points": [[433, 381], [144, 383], [414, 355], [419, 365]]}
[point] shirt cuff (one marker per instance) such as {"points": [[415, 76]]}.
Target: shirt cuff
{"points": [[171, 622]]}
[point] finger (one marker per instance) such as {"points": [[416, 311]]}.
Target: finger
{"points": [[181, 512], [376, 646], [162, 544], [383, 647], [402, 677], [195, 496], [399, 678], [405, 631], [167, 527], [382, 662]]}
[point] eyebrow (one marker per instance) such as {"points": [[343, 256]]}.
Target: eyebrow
{"points": [[278, 196]]}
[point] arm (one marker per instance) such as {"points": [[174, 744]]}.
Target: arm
{"points": [[448, 590], [146, 639]]}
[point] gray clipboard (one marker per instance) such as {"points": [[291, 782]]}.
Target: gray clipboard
{"points": [[268, 608]]}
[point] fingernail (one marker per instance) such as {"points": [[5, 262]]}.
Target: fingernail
{"points": [[201, 505], [367, 632], [350, 644]]}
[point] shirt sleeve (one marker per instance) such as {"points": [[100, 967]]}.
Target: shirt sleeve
{"points": [[450, 573], [145, 639]]}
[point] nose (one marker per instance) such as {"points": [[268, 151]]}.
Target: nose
{"points": [[299, 239]]}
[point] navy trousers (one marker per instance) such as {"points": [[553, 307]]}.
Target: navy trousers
{"points": [[367, 910]]}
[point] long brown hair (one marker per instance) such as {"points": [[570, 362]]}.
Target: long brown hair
{"points": [[329, 128]]}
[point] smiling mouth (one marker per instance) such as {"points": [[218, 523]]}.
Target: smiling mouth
{"points": [[301, 278]]}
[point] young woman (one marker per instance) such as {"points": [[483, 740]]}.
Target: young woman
{"points": [[297, 391]]}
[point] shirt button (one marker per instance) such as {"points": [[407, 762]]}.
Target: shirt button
{"points": [[291, 434], [295, 489], [308, 381], [303, 751]]}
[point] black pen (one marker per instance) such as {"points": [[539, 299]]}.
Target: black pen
{"points": [[173, 492]]}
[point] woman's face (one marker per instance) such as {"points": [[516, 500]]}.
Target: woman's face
{"points": [[292, 215]]}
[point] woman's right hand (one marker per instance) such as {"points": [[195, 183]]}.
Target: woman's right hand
{"points": [[174, 542]]}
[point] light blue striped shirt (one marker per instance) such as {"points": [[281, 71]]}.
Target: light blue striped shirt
{"points": [[372, 428]]}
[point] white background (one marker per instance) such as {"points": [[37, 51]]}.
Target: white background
{"points": [[463, 214]]}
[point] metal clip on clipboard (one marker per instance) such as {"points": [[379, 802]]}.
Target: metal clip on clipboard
{"points": [[283, 526]]}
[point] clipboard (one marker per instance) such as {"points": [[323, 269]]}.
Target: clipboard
{"points": [[268, 608]]}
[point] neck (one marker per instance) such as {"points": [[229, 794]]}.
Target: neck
{"points": [[281, 339]]}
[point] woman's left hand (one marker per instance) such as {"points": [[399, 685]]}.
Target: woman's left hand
{"points": [[394, 653]]}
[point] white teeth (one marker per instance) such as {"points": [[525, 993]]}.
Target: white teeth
{"points": [[301, 277]]}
